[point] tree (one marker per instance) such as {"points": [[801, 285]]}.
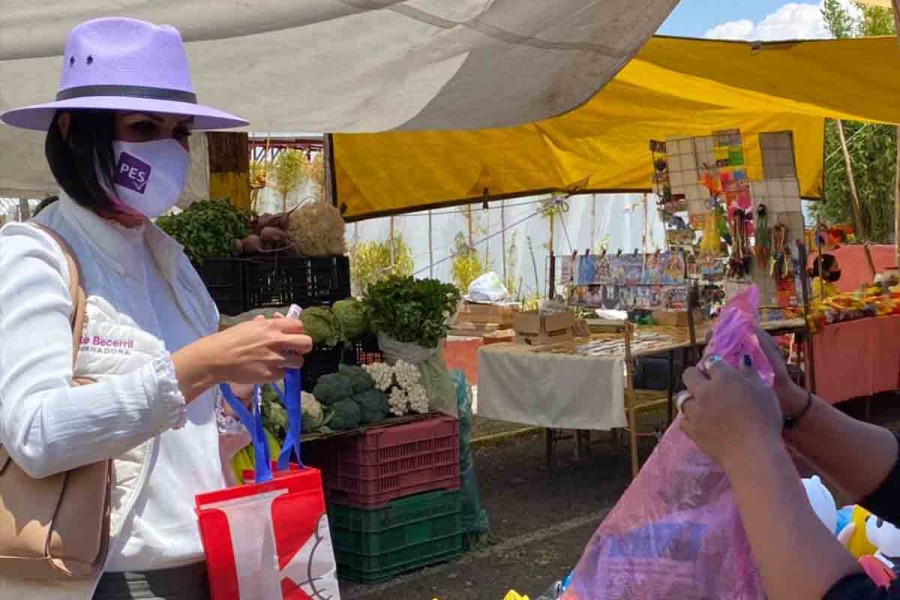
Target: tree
{"points": [[374, 261], [466, 266], [872, 147], [289, 173]]}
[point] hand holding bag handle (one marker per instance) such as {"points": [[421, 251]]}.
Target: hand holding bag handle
{"points": [[56, 527], [252, 421]]}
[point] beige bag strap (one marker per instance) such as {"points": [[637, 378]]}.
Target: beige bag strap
{"points": [[56, 527], [76, 291]]}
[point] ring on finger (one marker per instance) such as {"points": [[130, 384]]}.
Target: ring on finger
{"points": [[681, 398], [710, 361]]}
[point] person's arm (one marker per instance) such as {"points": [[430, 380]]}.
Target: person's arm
{"points": [[736, 420], [797, 557], [46, 425], [853, 455]]}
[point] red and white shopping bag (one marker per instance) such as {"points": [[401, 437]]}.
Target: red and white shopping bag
{"points": [[269, 540]]}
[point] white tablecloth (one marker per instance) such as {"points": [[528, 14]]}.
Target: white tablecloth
{"points": [[563, 391]]}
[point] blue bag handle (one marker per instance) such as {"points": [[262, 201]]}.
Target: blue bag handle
{"points": [[253, 423], [292, 399]]}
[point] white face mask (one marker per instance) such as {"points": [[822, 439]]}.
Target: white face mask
{"points": [[150, 176]]}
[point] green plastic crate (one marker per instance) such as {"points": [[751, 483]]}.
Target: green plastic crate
{"points": [[410, 533], [375, 569], [404, 511]]}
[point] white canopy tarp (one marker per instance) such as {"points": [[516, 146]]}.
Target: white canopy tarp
{"points": [[345, 65]]}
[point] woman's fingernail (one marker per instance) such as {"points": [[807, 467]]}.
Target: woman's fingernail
{"points": [[748, 362]]}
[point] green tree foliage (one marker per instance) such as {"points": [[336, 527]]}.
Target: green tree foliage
{"points": [[872, 147], [371, 262], [289, 173]]}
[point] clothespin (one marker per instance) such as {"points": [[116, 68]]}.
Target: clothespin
{"points": [[619, 253], [587, 252], [635, 252]]}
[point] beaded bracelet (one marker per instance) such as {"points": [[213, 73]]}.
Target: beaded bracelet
{"points": [[791, 422]]}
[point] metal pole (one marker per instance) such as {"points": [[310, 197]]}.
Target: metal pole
{"points": [[391, 238], [430, 249], [503, 240], [897, 202], [330, 177], [24, 210], [857, 208]]}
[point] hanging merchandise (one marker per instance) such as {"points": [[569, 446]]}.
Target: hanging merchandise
{"points": [[781, 265], [763, 237], [711, 243], [740, 261]]}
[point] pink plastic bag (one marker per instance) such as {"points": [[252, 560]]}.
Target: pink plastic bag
{"points": [[734, 334], [676, 532]]}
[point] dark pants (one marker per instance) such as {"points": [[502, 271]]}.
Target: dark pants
{"points": [[180, 583]]}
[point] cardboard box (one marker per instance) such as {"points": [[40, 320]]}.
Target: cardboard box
{"points": [[501, 315], [676, 318], [535, 329]]}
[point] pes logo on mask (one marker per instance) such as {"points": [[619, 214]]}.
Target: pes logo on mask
{"points": [[132, 173]]}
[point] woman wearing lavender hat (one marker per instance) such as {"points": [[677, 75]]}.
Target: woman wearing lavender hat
{"points": [[117, 144]]}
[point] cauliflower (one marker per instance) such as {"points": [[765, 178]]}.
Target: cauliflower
{"points": [[313, 413], [382, 375], [418, 399], [398, 402], [407, 375]]}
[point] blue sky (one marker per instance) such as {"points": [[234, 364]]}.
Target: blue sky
{"points": [[746, 19]]}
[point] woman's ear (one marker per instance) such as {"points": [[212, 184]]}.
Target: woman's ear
{"points": [[64, 122]]}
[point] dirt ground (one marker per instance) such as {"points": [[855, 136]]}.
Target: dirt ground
{"points": [[541, 520]]}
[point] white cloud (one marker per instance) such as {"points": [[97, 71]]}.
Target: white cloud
{"points": [[733, 30], [793, 21]]}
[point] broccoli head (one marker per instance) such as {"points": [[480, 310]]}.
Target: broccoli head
{"points": [[373, 405], [346, 415], [358, 377], [332, 388]]}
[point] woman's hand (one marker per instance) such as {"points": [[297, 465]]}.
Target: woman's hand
{"points": [[258, 351], [729, 411], [791, 396]]}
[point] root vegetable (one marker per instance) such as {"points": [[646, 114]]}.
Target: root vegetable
{"points": [[237, 247], [264, 221], [281, 221], [273, 237], [252, 244]]}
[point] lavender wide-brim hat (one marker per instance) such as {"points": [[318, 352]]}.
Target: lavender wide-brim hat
{"points": [[124, 65]]}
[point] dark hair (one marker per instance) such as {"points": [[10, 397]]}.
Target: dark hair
{"points": [[823, 264], [44, 204], [74, 158]]}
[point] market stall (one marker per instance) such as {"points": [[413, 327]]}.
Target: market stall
{"points": [[870, 368]]}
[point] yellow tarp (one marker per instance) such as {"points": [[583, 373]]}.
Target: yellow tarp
{"points": [[674, 88]]}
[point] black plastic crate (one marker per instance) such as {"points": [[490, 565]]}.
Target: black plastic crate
{"points": [[224, 278], [321, 361], [277, 281]]}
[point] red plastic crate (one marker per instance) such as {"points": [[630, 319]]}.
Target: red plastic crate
{"points": [[380, 464]]}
